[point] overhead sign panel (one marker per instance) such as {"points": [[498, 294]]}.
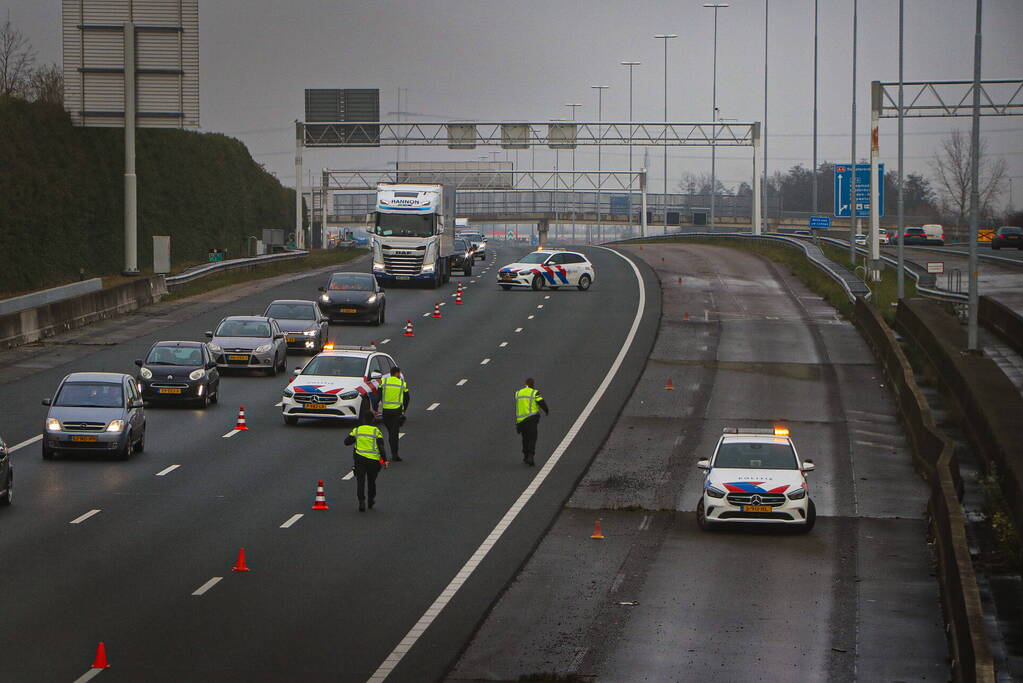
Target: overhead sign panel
{"points": [[336, 106], [561, 135], [166, 61], [515, 135], [461, 136]]}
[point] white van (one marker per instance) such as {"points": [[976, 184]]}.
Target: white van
{"points": [[935, 234]]}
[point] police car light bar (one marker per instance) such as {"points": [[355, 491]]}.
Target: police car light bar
{"points": [[342, 347], [774, 431]]}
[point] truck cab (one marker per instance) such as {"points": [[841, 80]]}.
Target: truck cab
{"points": [[411, 241]]}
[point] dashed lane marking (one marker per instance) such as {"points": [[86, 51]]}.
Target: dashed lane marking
{"points": [[539, 305], [645, 524], [89, 675], [547, 297], [502, 345], [518, 329], [433, 406], [167, 470], [351, 473], [206, 586], [461, 382], [484, 361], [294, 518], [384, 341], [530, 317], [82, 518], [26, 442], [230, 434], [426, 315]]}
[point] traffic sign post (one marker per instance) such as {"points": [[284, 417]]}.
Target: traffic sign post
{"points": [[843, 188]]}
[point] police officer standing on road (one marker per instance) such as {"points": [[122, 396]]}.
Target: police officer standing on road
{"points": [[394, 403], [368, 457], [528, 403]]}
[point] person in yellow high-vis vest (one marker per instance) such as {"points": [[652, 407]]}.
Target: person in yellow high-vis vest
{"points": [[394, 398], [528, 404], [368, 457]]}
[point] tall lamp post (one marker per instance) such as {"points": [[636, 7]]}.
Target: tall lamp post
{"points": [[666, 37], [763, 125], [714, 108], [573, 106], [631, 65], [813, 194], [600, 113]]}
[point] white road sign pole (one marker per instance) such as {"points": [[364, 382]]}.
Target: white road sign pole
{"points": [[299, 232], [131, 252], [758, 164], [642, 189], [875, 187]]}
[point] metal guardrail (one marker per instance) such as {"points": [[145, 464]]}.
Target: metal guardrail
{"points": [[199, 272], [852, 285]]}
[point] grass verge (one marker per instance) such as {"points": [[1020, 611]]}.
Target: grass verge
{"points": [[316, 259], [884, 295]]}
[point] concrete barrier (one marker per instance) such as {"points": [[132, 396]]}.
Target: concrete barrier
{"points": [[48, 296], [33, 324], [1003, 321]]}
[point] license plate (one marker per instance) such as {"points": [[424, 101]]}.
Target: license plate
{"points": [[315, 406], [402, 277], [170, 391], [757, 508], [349, 310], [238, 358], [507, 277], [291, 340], [87, 439]]}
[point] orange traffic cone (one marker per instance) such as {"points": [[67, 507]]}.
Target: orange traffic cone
{"points": [[669, 386], [686, 316], [598, 533], [240, 564], [241, 420], [408, 329], [680, 280], [458, 298], [436, 310], [321, 498], [100, 662]]}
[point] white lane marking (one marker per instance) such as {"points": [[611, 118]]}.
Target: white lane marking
{"points": [[89, 675], [706, 315], [82, 518], [351, 474], [472, 282], [410, 639], [518, 329], [539, 305], [645, 524], [502, 345], [426, 315], [433, 406], [401, 434], [443, 303], [484, 361], [167, 470], [208, 585], [530, 317], [547, 297], [229, 434], [384, 341], [278, 404], [26, 442], [461, 382], [295, 518]]}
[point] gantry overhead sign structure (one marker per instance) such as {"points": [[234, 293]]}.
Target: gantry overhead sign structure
{"points": [[129, 64], [525, 134]]}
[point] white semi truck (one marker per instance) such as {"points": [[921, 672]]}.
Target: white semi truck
{"points": [[412, 233]]}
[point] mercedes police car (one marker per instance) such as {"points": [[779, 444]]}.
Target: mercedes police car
{"points": [[755, 476], [549, 268], [341, 382]]}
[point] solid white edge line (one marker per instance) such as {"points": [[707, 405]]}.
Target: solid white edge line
{"points": [[406, 643], [294, 518], [81, 518], [229, 434], [167, 470], [26, 442], [433, 406], [89, 675], [208, 585]]}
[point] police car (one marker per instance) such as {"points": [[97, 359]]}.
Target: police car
{"points": [[548, 268], [342, 382], [756, 476]]}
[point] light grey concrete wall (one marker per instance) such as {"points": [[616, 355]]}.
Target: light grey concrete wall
{"points": [[49, 296]]}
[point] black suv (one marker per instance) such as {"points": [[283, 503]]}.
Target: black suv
{"points": [[6, 475], [462, 256]]}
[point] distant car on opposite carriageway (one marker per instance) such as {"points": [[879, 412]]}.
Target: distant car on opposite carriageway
{"points": [[551, 268]]}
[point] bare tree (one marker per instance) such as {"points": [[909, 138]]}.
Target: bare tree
{"points": [[47, 84], [952, 167], [16, 61]]}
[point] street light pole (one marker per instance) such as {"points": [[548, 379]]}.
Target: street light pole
{"points": [[763, 125], [714, 108], [631, 65], [853, 213], [901, 276], [575, 199], [600, 113], [974, 292], [814, 193], [665, 37]]}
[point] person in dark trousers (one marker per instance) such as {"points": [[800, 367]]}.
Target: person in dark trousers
{"points": [[368, 457], [528, 404], [394, 402]]}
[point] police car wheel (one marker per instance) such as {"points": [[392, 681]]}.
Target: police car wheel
{"points": [[537, 283], [584, 282], [290, 420], [553, 288], [701, 517], [506, 287], [811, 518]]}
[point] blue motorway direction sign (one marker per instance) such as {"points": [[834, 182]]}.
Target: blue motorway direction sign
{"points": [[843, 188], [820, 221]]}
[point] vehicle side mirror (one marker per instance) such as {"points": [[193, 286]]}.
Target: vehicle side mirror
{"points": [[209, 334], [278, 336], [808, 465], [324, 319], [298, 371], [211, 365], [703, 464], [138, 362], [138, 404], [47, 401]]}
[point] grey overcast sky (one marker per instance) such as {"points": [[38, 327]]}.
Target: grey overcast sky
{"points": [[498, 60]]}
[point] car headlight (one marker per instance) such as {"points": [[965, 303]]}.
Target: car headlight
{"points": [[428, 268], [214, 347], [115, 426], [378, 267], [324, 298], [372, 299], [798, 494], [52, 424], [714, 492], [262, 348], [311, 333], [196, 374], [146, 373], [349, 395], [288, 393]]}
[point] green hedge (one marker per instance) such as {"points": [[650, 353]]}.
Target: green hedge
{"points": [[62, 196]]}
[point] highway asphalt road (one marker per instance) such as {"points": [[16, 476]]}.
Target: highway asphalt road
{"points": [[330, 596], [745, 344]]}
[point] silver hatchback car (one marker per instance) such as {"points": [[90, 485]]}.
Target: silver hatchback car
{"points": [[97, 412], [249, 342]]}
